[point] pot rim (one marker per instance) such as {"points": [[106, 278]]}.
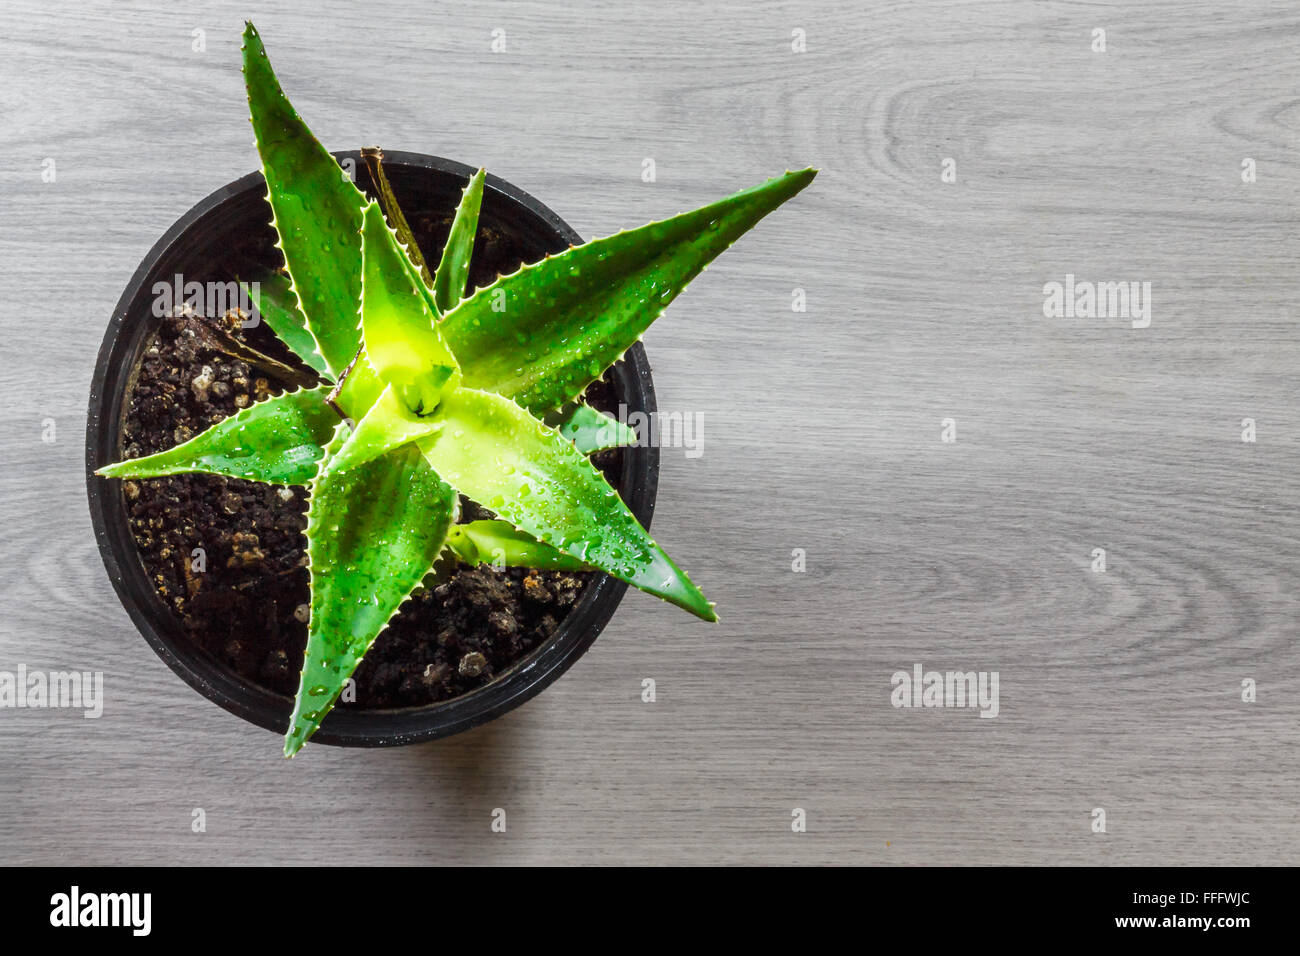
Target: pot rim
{"points": [[159, 625]]}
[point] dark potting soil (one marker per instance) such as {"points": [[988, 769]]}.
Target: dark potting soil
{"points": [[248, 606]]}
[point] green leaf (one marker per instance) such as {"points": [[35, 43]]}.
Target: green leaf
{"points": [[374, 157], [316, 210], [500, 544], [373, 532], [318, 213], [496, 453], [401, 335], [388, 425], [275, 302], [278, 441], [453, 270], [541, 335], [590, 430]]}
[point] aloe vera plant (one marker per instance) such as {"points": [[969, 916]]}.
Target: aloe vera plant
{"points": [[428, 393]]}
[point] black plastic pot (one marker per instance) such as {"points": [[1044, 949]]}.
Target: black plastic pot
{"points": [[199, 247]]}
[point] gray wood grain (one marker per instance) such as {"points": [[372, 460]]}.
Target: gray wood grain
{"points": [[1119, 690]]}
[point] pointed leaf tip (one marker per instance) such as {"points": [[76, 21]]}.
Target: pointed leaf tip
{"points": [[590, 430], [452, 277], [540, 335], [496, 453], [315, 210], [276, 441], [374, 157]]}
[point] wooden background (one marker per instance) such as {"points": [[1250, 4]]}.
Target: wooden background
{"points": [[1119, 690]]}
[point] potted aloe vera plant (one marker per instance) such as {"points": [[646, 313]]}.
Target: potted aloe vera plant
{"points": [[433, 429]]}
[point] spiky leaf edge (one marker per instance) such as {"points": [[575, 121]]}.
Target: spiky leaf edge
{"points": [[147, 466], [292, 741]]}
